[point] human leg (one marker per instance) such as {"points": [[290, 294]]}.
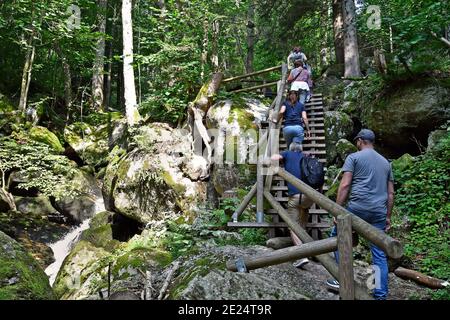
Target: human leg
{"points": [[293, 211], [379, 260]]}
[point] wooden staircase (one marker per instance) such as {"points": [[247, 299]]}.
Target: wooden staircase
{"points": [[315, 146]]}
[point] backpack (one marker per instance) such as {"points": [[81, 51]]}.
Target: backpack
{"points": [[312, 172]]}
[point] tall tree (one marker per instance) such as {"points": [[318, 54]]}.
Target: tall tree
{"points": [[132, 112], [98, 70], [351, 49], [338, 27], [250, 36]]}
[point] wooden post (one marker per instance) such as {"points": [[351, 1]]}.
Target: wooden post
{"points": [[287, 254], [344, 243], [259, 192], [389, 245], [325, 259], [252, 74], [244, 203]]}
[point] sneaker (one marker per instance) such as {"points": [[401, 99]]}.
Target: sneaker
{"points": [[333, 284], [300, 263]]}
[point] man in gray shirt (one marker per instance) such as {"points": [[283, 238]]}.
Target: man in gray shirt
{"points": [[369, 180]]}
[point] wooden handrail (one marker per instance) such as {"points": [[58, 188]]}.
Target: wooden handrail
{"points": [[287, 254], [252, 74], [392, 247], [262, 86]]}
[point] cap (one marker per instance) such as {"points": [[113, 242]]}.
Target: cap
{"points": [[365, 134]]}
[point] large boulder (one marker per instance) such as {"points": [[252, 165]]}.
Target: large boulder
{"points": [[21, 278], [35, 205], [43, 135], [338, 125], [86, 203], [434, 138], [343, 149], [88, 141], [235, 125], [155, 178], [407, 116]]}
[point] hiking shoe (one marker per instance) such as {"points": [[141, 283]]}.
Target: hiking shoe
{"points": [[300, 263], [333, 284]]}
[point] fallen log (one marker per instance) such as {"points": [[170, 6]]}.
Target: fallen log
{"points": [[421, 278]]}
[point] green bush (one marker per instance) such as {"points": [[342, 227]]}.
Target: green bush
{"points": [[422, 200]]}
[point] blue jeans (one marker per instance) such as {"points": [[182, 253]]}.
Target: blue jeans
{"points": [[291, 132], [302, 95], [379, 258]]}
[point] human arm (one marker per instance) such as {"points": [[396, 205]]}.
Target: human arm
{"points": [[276, 118], [276, 157], [344, 188], [305, 120], [390, 204]]}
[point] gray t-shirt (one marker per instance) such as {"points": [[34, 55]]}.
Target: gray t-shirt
{"points": [[371, 173]]}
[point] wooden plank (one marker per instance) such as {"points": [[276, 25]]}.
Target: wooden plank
{"points": [[252, 74], [286, 254], [316, 125], [344, 242], [259, 192]]}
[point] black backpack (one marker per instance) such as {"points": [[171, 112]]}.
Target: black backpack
{"points": [[312, 172]]}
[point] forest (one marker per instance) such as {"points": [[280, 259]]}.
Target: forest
{"points": [[114, 113]]}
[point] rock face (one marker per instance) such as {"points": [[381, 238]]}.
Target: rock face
{"points": [[41, 134], [156, 177], [435, 137], [338, 125], [237, 286], [343, 149], [35, 205], [409, 112], [234, 124], [21, 278]]}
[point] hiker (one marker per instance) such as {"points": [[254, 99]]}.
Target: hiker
{"points": [[299, 203], [369, 180], [295, 116], [300, 80], [296, 54]]}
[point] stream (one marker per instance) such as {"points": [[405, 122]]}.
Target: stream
{"points": [[62, 248]]}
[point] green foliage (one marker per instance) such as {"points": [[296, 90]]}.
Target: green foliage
{"points": [[422, 197], [38, 164]]}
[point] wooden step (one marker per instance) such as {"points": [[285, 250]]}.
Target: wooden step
{"points": [[314, 104], [317, 125], [315, 119], [257, 225], [314, 114], [314, 145], [312, 108]]}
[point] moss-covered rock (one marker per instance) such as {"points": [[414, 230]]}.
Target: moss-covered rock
{"points": [[338, 125], [434, 138], [41, 134], [21, 278], [402, 163], [88, 141], [155, 178], [100, 232], [408, 114], [35, 205]]}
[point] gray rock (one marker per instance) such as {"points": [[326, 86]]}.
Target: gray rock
{"points": [[35, 205], [434, 137], [338, 125]]}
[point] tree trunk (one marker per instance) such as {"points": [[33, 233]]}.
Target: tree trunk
{"points": [[204, 58], [26, 74], [338, 28], [98, 70], [351, 49], [215, 45], [132, 112], [108, 78], [250, 37]]}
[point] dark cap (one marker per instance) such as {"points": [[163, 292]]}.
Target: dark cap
{"points": [[365, 134]]}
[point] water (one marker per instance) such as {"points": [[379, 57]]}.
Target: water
{"points": [[62, 248]]}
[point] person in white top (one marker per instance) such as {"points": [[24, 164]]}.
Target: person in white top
{"points": [[296, 54]]}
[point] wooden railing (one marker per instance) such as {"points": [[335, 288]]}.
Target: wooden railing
{"points": [[349, 288]]}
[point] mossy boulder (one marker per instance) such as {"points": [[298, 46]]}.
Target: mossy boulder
{"points": [[338, 125], [234, 123], [88, 141], [154, 178], [86, 203], [43, 135], [407, 115], [100, 232], [21, 277], [402, 163], [40, 206]]}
